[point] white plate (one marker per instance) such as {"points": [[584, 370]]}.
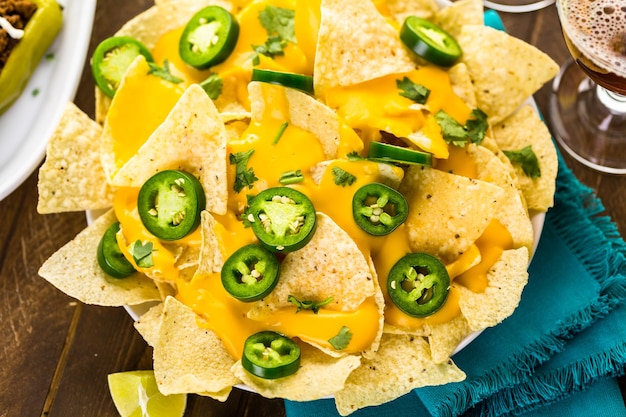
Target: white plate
{"points": [[26, 127]]}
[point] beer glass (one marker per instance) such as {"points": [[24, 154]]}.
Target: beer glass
{"points": [[588, 101], [517, 6]]}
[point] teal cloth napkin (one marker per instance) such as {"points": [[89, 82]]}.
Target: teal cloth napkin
{"points": [[567, 336]]}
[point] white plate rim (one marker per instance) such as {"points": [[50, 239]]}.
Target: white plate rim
{"points": [[27, 125]]}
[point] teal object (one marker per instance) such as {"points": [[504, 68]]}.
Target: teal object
{"points": [[568, 335]]}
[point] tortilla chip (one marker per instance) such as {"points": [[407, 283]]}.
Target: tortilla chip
{"points": [[507, 278], [319, 375], [319, 270], [462, 85], [401, 9], [401, 364], [304, 112], [149, 323], [374, 48], [445, 338], [72, 178], [192, 138], [460, 13], [447, 212], [188, 358], [512, 213], [74, 270], [518, 131], [211, 259], [505, 70]]}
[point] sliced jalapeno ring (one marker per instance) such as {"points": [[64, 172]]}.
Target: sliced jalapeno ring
{"points": [[430, 41], [250, 273], [300, 82], [283, 219], [384, 152], [209, 37], [110, 257], [418, 284], [170, 204], [112, 58], [379, 209], [270, 355]]}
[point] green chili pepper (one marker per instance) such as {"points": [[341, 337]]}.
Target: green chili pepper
{"points": [[40, 31], [170, 204], [379, 209], [282, 218], [110, 257], [270, 355], [250, 273], [418, 284]]}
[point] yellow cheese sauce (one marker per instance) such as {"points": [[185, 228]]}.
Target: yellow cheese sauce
{"points": [[280, 146]]}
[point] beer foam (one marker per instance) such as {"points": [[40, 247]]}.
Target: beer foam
{"points": [[598, 29]]}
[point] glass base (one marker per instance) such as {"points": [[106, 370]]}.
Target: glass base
{"points": [[517, 6], [588, 121]]}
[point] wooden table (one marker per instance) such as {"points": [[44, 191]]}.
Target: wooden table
{"points": [[55, 353]]}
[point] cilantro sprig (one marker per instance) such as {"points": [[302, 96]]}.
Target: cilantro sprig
{"points": [[142, 253], [213, 86], [163, 72], [342, 177], [308, 304], [280, 27], [416, 92], [244, 176]]}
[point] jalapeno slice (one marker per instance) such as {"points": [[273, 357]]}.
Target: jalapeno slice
{"points": [[170, 203], [270, 355], [250, 273], [112, 58], [209, 37], [300, 82], [418, 284], [110, 257], [379, 209], [430, 41], [283, 219], [384, 152]]}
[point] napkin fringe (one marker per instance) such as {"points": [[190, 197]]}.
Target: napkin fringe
{"points": [[602, 252], [554, 386]]}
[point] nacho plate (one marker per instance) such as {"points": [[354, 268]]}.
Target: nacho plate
{"points": [[469, 213]]}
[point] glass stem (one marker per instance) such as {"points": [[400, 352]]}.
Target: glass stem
{"points": [[615, 103]]}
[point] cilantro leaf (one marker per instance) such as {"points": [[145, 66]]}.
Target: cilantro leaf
{"points": [[343, 177], [279, 21], [527, 158], [342, 339], [272, 47], [142, 253], [244, 176], [354, 156], [308, 304], [416, 92], [453, 132], [477, 126], [212, 86], [163, 72]]}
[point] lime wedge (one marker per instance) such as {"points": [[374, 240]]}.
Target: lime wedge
{"points": [[135, 394]]}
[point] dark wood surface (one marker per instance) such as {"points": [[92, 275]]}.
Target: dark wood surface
{"points": [[55, 353]]}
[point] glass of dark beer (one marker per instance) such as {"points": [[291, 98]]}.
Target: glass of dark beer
{"points": [[588, 103]]}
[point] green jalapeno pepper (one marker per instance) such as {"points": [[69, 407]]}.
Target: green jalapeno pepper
{"points": [[39, 32], [430, 41], [209, 37], [270, 355], [170, 204], [110, 257], [250, 273], [379, 209], [384, 152], [283, 219], [300, 82], [112, 58], [418, 284]]}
